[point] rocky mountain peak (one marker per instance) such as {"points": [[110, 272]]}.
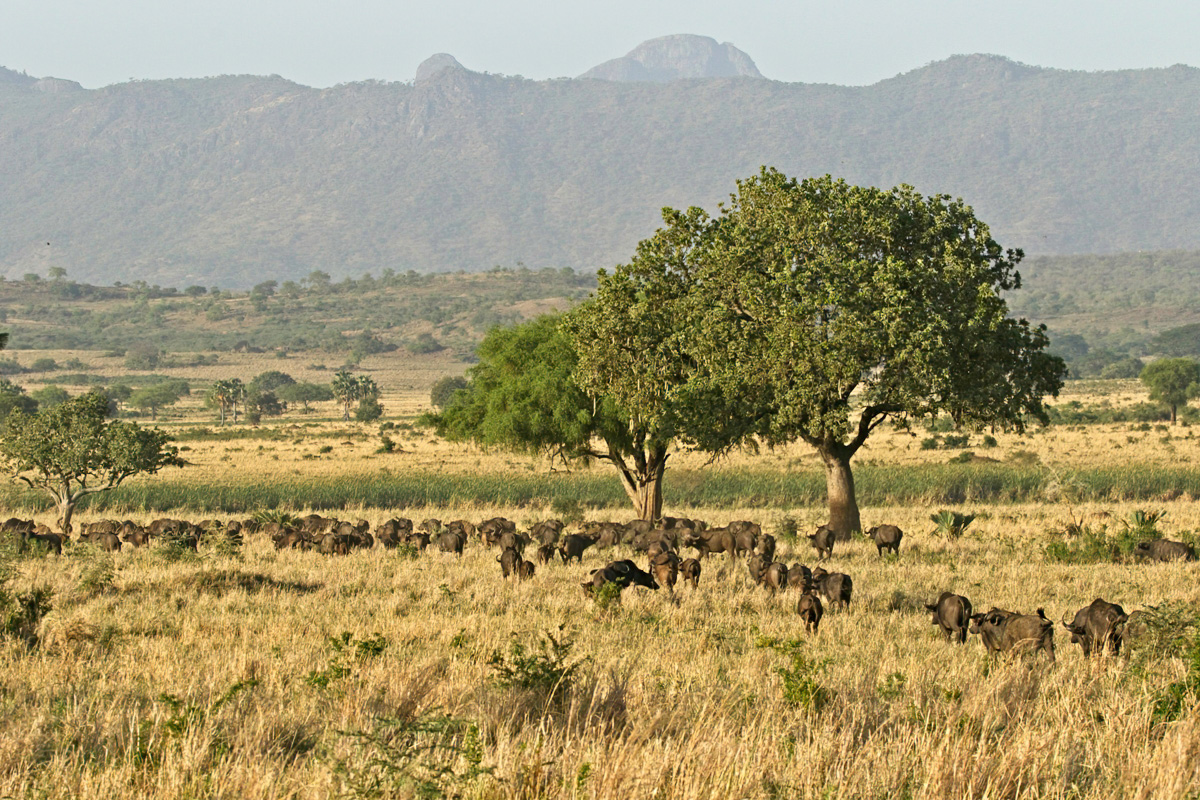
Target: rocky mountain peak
{"points": [[669, 58], [435, 64]]}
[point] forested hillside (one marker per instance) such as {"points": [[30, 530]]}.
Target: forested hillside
{"points": [[233, 180]]}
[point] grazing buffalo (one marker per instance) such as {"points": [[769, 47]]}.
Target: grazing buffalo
{"points": [[510, 561], [952, 613], [712, 540], [394, 532], [1096, 625], [545, 553], [1165, 550], [449, 542], [745, 536], [105, 541], [775, 577], [886, 537], [526, 570], [657, 549], [50, 540], [766, 547], [517, 541], [1007, 632], [490, 529], [665, 569], [810, 610], [573, 545], [623, 573], [801, 576], [293, 539], [657, 536], [689, 569], [606, 534], [835, 587], [755, 565], [417, 539], [547, 531], [467, 529], [823, 540]]}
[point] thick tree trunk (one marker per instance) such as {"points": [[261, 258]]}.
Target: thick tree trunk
{"points": [[647, 498], [643, 484], [839, 485], [66, 508]]}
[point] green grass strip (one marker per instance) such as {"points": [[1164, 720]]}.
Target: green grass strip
{"points": [[934, 484]]}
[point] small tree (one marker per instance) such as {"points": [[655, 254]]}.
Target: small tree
{"points": [[443, 390], [13, 398], [226, 394], [345, 389], [73, 450], [1172, 382], [157, 396], [50, 396], [271, 381], [305, 393]]}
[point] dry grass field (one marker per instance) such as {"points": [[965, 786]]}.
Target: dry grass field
{"points": [[265, 674], [254, 673]]}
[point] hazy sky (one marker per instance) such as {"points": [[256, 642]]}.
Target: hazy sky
{"points": [[321, 43]]}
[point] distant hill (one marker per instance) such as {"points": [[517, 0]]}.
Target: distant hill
{"points": [[236, 179]]}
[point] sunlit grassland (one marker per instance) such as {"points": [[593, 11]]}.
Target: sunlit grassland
{"points": [[251, 675], [673, 697]]}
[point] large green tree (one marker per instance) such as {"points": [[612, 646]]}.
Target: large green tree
{"points": [[817, 310], [73, 450], [523, 395], [1172, 382]]}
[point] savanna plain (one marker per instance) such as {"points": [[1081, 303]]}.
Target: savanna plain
{"points": [[250, 672]]}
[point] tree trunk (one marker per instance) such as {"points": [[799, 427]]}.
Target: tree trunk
{"points": [[1173, 408], [66, 508], [643, 484], [647, 498], [839, 485]]}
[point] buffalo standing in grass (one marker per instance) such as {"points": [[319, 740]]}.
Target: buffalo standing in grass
{"points": [[689, 570], [622, 573], [1163, 550], [1098, 624], [1006, 632], [510, 561], [665, 569], [573, 545], [886, 537], [835, 587], [810, 610], [525, 571], [952, 613], [775, 577], [823, 541], [713, 540]]}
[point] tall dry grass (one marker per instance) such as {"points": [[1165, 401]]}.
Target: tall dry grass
{"points": [[230, 676]]}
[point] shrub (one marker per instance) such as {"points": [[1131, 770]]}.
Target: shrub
{"points": [[548, 670], [951, 524], [801, 687]]}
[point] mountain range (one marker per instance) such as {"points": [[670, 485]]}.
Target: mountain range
{"points": [[236, 179]]}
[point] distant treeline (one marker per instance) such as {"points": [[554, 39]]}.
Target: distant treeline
{"points": [[366, 315]]}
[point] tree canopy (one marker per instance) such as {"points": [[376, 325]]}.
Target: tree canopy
{"points": [[1172, 382], [815, 310], [523, 395], [72, 450]]}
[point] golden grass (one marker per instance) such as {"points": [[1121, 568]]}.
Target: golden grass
{"points": [[673, 698]]}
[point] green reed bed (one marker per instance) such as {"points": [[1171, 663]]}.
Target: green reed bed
{"points": [[935, 484]]}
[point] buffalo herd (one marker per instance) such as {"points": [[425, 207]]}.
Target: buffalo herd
{"points": [[1097, 628]]}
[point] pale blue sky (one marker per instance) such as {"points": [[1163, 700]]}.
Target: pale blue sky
{"points": [[98, 42]]}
